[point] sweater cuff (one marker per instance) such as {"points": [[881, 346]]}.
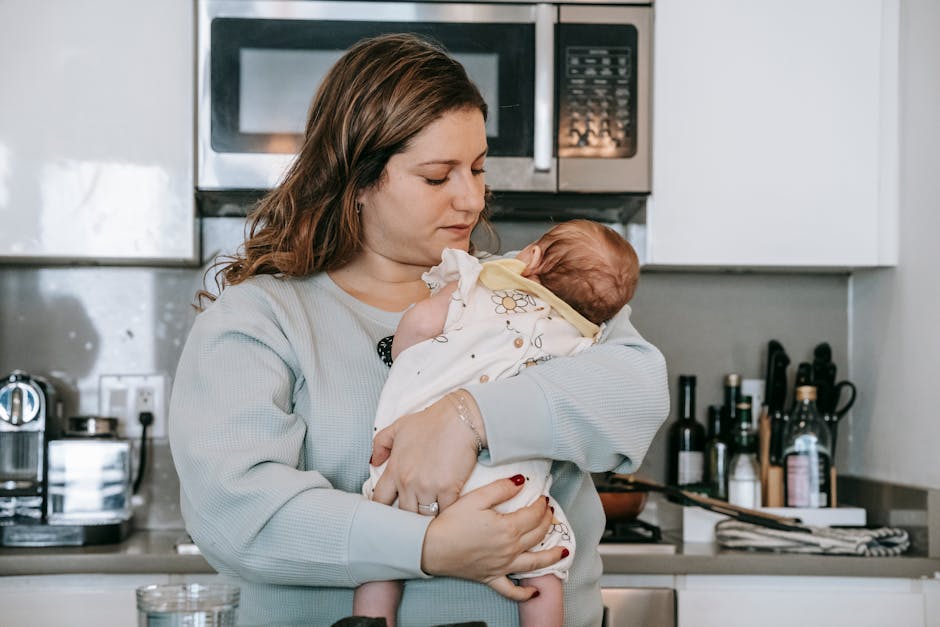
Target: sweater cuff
{"points": [[385, 543], [517, 418]]}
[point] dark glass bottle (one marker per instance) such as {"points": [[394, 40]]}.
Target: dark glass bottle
{"points": [[686, 439], [807, 456], [717, 455], [729, 411]]}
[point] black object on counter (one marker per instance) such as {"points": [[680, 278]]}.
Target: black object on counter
{"points": [[776, 393]]}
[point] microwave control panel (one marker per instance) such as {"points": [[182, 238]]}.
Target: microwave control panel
{"points": [[596, 90]]}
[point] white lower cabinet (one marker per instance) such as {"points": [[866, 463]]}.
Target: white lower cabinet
{"points": [[77, 600], [746, 601]]}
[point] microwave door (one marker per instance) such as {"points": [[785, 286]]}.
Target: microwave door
{"points": [[259, 64], [535, 173]]}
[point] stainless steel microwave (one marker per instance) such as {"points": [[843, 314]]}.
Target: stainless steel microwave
{"points": [[567, 84]]}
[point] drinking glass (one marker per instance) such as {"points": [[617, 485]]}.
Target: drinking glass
{"points": [[187, 605]]}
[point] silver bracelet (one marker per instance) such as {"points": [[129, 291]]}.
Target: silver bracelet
{"points": [[463, 413]]}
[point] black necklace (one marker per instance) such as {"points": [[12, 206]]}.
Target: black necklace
{"points": [[384, 349]]}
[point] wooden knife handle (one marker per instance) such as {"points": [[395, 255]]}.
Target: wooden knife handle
{"points": [[763, 450]]}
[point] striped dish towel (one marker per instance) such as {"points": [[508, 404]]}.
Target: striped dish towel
{"points": [[880, 542]]}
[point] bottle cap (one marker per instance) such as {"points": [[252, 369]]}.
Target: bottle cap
{"points": [[806, 393], [686, 379], [733, 380]]}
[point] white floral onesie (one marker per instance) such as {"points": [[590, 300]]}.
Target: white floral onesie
{"points": [[493, 330]]}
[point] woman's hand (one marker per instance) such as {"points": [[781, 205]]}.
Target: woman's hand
{"points": [[471, 540], [430, 455]]}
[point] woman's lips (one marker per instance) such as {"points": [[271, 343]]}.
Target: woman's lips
{"points": [[459, 230]]}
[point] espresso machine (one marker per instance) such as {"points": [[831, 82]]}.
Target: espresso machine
{"points": [[24, 428], [62, 483]]}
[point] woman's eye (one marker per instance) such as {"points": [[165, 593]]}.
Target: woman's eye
{"points": [[478, 171], [435, 181]]}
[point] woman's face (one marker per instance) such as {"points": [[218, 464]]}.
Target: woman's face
{"points": [[431, 195]]}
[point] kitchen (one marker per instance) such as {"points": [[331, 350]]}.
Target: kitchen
{"points": [[730, 276]]}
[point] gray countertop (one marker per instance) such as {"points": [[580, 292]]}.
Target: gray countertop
{"points": [[154, 552]]}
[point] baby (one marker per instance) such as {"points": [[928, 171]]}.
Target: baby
{"points": [[486, 321]]}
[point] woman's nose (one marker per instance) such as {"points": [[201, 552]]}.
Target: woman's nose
{"points": [[470, 194]]}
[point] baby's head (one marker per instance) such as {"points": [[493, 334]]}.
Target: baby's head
{"points": [[586, 264]]}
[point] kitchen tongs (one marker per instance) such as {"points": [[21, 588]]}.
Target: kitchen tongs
{"points": [[684, 497]]}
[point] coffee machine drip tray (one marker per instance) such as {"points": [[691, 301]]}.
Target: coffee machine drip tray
{"points": [[32, 533]]}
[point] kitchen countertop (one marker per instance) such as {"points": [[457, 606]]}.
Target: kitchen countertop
{"points": [[154, 552]]}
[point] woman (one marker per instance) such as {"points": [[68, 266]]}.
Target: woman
{"points": [[272, 410]]}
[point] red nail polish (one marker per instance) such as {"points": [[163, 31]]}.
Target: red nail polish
{"points": [[517, 479], [547, 501], [534, 594], [551, 508], [370, 460], [564, 553]]}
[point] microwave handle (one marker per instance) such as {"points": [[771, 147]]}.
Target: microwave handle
{"points": [[544, 78]]}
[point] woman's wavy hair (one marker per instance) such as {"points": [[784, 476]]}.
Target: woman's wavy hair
{"points": [[377, 97]]}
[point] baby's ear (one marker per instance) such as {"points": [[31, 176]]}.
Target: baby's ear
{"points": [[532, 256]]}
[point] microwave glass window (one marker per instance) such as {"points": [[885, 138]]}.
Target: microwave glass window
{"points": [[483, 70], [276, 88], [263, 75]]}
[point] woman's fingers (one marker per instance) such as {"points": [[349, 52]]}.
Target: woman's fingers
{"points": [[385, 490], [382, 445], [492, 494], [541, 518], [511, 591], [535, 560]]}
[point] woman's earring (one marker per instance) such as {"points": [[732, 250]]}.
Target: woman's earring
{"points": [[358, 208]]}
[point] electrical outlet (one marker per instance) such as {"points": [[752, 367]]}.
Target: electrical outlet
{"points": [[125, 396]]}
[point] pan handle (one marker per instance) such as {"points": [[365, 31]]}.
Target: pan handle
{"points": [[743, 514]]}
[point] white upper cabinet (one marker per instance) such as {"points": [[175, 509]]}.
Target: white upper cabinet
{"points": [[774, 134], [96, 131]]}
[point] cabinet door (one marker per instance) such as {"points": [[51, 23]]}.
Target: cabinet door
{"points": [[774, 133], [74, 600], [727, 601], [96, 119]]}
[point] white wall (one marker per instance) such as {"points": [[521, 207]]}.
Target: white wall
{"points": [[894, 322]]}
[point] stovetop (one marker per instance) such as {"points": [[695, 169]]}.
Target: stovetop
{"points": [[635, 536]]}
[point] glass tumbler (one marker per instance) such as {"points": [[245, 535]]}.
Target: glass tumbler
{"points": [[187, 605]]}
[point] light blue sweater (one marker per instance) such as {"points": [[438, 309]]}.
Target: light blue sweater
{"points": [[271, 428]]}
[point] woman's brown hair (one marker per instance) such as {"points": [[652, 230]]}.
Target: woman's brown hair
{"points": [[377, 97]]}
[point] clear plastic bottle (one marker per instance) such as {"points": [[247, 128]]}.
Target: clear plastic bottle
{"points": [[807, 454], [744, 471]]}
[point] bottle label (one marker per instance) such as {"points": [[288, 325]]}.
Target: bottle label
{"points": [[691, 467], [744, 492], [807, 480]]}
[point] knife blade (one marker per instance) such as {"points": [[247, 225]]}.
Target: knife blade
{"points": [[824, 377], [777, 395]]}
